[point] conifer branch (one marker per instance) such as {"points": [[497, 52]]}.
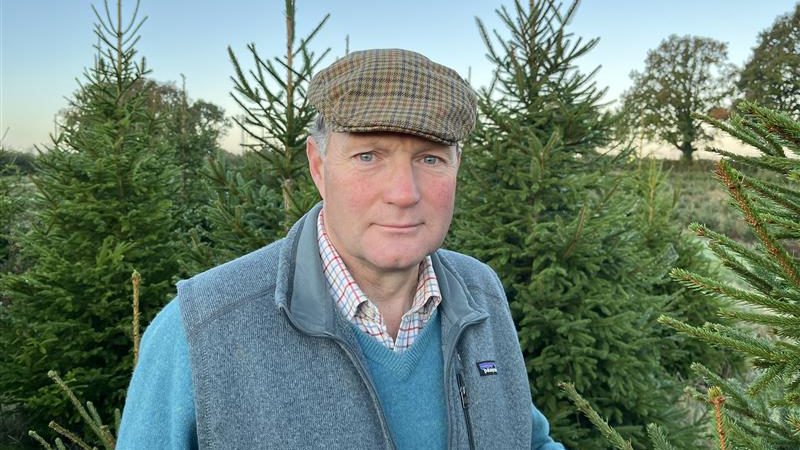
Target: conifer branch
{"points": [[782, 166], [40, 440], [135, 280], [775, 122], [713, 287], [117, 419], [776, 193], [767, 378], [119, 37], [657, 437], [745, 134], [786, 227], [104, 436], [578, 231], [93, 412], [742, 403], [747, 438], [783, 325], [69, 435], [734, 262], [608, 432], [716, 400], [776, 250], [752, 256], [745, 344], [770, 143]]}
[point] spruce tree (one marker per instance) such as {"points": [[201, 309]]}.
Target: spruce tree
{"points": [[553, 217], [665, 236], [190, 130], [103, 205], [257, 202]]}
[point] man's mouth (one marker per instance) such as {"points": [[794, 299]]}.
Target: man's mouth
{"points": [[399, 226]]}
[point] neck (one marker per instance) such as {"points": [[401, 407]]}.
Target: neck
{"points": [[391, 292], [386, 288]]}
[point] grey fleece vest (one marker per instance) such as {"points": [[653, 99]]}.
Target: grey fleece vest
{"points": [[275, 365]]}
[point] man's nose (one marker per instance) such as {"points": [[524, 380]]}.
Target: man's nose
{"points": [[401, 186]]}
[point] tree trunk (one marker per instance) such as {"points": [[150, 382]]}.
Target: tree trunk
{"points": [[686, 149]]}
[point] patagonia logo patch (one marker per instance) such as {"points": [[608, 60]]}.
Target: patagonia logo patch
{"points": [[487, 368]]}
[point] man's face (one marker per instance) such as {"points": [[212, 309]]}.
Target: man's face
{"points": [[388, 197]]}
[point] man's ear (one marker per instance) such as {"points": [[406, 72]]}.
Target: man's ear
{"points": [[316, 165]]}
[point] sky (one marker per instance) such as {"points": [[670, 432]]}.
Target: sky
{"points": [[45, 45]]}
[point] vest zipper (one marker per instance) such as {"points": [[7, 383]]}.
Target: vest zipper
{"points": [[462, 392], [447, 383]]}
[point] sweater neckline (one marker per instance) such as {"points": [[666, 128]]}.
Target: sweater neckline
{"points": [[401, 364]]}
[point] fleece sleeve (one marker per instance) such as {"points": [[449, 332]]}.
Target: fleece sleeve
{"points": [[540, 438], [159, 409]]}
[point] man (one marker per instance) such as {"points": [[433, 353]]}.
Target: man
{"points": [[355, 331]]}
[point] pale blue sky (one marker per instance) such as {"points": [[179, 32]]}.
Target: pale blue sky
{"points": [[46, 44]]}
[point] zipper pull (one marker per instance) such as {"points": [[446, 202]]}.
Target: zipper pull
{"points": [[462, 390]]}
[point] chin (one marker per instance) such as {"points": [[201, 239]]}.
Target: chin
{"points": [[401, 260]]}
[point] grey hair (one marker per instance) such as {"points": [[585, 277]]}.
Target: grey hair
{"points": [[318, 130]]}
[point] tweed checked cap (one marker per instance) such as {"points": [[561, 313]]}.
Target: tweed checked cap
{"points": [[394, 90]]}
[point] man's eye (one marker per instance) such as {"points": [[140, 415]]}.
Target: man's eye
{"points": [[431, 160], [366, 157]]}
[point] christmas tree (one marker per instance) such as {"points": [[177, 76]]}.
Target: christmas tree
{"points": [[664, 234], [192, 131], [556, 219], [102, 209], [256, 203]]}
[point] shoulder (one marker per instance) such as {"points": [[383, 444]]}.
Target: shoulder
{"points": [[226, 285], [167, 326], [164, 339], [240, 271]]}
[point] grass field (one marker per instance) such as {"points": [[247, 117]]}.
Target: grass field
{"points": [[703, 199]]}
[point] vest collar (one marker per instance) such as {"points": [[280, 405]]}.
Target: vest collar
{"points": [[308, 303]]}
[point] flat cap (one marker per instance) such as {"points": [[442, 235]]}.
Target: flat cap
{"points": [[394, 90]]}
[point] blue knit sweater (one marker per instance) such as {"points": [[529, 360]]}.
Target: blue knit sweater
{"points": [[410, 386]]}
